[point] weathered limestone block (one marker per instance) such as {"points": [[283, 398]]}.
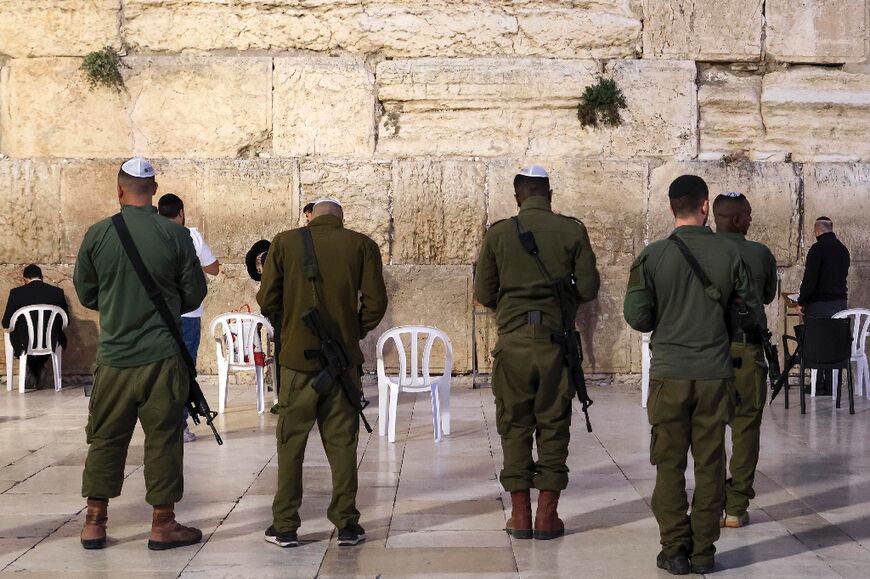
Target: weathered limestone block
{"points": [[714, 31], [816, 30], [323, 106], [772, 188], [608, 196], [48, 110], [247, 200], [363, 187], [439, 211], [730, 113], [402, 28], [200, 107], [494, 107], [29, 216], [840, 191], [437, 296], [51, 28]]}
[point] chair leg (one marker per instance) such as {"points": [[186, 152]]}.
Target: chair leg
{"points": [[22, 372], [383, 406], [835, 388], [275, 379], [261, 389], [394, 405], [803, 390], [785, 389], [814, 374], [434, 395], [10, 361], [444, 400], [851, 387], [222, 387], [55, 366]]}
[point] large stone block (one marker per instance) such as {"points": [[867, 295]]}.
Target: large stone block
{"points": [[29, 212], [437, 296], [528, 108], [816, 30], [608, 196], [364, 189], [47, 109], [772, 188], [840, 191], [439, 211], [247, 200], [817, 114], [402, 28], [730, 113], [51, 28], [323, 106], [693, 29]]}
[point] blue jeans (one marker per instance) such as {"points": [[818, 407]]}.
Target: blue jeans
{"points": [[191, 330]]}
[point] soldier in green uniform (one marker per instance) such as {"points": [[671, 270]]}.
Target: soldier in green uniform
{"points": [[733, 214], [139, 372], [533, 394], [350, 293], [692, 394]]}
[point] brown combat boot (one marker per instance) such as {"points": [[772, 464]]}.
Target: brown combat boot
{"points": [[94, 533], [167, 533], [519, 526], [548, 525]]}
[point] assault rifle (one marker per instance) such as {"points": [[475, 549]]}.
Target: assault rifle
{"points": [[771, 355], [333, 357], [197, 405]]}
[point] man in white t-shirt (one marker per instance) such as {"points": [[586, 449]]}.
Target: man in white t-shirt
{"points": [[172, 207]]}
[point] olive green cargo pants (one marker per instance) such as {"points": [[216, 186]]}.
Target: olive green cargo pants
{"points": [[155, 395], [533, 405], [299, 407], [750, 382], [689, 414]]}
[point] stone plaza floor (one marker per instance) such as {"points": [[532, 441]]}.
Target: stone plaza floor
{"points": [[428, 509]]}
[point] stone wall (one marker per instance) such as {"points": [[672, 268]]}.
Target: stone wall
{"points": [[417, 114]]}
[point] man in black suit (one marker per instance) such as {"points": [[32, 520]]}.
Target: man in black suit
{"points": [[34, 292]]}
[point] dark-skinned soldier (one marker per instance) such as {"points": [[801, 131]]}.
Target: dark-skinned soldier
{"points": [[139, 371], [733, 214], [692, 395], [533, 393], [349, 293]]}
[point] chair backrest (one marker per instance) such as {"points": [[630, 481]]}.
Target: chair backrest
{"points": [[410, 374], [826, 341], [236, 334], [39, 336], [860, 320]]}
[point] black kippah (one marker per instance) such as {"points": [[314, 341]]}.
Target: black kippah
{"points": [[686, 185], [252, 255]]}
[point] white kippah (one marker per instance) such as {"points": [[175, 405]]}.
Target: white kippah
{"points": [[138, 167], [534, 171], [733, 194], [327, 200]]}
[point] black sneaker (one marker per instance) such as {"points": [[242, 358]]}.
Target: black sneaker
{"points": [[288, 539], [703, 569], [351, 535], [676, 565]]}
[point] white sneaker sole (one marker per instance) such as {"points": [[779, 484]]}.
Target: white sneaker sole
{"points": [[352, 543], [284, 544]]}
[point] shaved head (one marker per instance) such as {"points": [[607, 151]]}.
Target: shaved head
{"points": [[823, 225], [327, 208], [135, 190]]}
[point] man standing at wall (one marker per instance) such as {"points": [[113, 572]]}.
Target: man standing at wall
{"points": [[139, 371], [172, 207], [733, 215], [339, 272], [679, 289], [533, 392]]}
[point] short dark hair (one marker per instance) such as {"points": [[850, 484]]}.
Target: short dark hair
{"points": [[825, 223], [140, 186], [170, 205], [32, 271], [309, 207], [531, 186], [687, 193]]}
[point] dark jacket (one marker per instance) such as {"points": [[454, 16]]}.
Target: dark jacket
{"points": [[34, 293], [826, 271]]}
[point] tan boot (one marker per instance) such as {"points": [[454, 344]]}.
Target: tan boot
{"points": [[94, 532], [548, 525], [519, 526], [167, 533]]}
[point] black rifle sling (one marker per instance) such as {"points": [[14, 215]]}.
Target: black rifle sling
{"points": [[692, 262]]}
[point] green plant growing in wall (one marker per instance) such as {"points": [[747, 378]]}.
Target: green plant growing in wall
{"points": [[103, 68], [600, 104]]}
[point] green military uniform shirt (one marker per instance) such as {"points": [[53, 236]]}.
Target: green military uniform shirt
{"points": [[762, 267], [351, 289], [131, 331], [507, 277], [689, 340]]}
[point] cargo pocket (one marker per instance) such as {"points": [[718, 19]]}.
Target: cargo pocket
{"points": [[653, 446], [279, 429], [761, 382], [89, 427]]}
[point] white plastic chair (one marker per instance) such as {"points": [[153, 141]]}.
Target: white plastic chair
{"points": [[39, 342], [645, 360], [235, 335], [859, 320], [410, 379]]}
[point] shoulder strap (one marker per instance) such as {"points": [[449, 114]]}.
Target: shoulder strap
{"points": [[696, 268], [527, 240], [309, 267], [154, 293]]}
